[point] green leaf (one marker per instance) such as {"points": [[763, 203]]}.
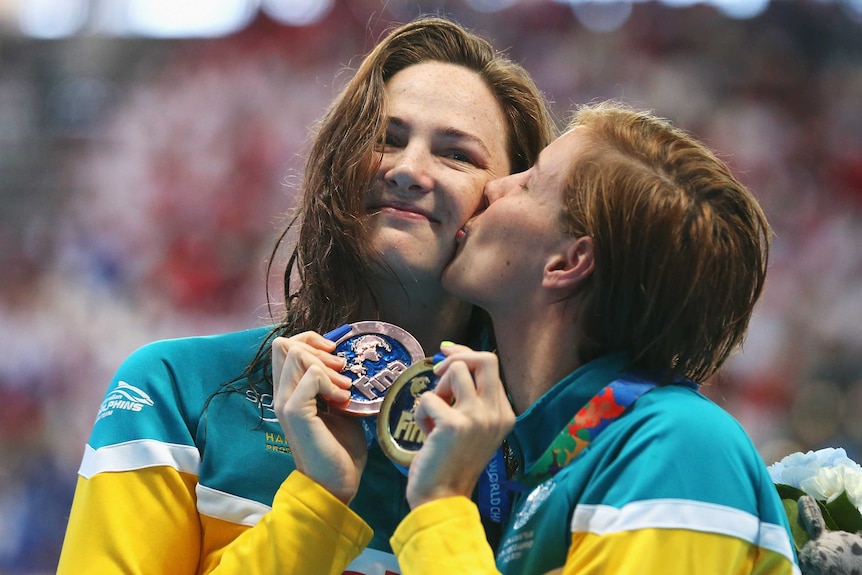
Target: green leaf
{"points": [[845, 514], [800, 535], [788, 492], [831, 524]]}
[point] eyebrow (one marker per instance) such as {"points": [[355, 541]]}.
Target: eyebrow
{"points": [[449, 133]]}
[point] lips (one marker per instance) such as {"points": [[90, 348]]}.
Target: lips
{"points": [[405, 207], [462, 233]]}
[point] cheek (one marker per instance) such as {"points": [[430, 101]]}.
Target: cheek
{"points": [[468, 202]]}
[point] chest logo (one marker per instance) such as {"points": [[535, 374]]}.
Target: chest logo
{"points": [[533, 502]]}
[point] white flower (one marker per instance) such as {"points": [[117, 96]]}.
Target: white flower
{"points": [[853, 487], [823, 474], [827, 484], [798, 467]]}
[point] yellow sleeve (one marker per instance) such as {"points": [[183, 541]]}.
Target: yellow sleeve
{"points": [[307, 531], [443, 536], [133, 522], [146, 521], [671, 552]]}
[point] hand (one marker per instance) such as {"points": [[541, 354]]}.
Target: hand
{"points": [[465, 421], [328, 446]]}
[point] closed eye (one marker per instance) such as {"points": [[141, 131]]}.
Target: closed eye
{"points": [[396, 135], [390, 140]]}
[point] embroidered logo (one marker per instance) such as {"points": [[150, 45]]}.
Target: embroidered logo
{"points": [[124, 397], [264, 403], [534, 500]]}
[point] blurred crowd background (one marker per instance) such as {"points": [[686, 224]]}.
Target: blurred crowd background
{"points": [[143, 181]]}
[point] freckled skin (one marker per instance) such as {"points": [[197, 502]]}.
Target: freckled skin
{"points": [[445, 140]]}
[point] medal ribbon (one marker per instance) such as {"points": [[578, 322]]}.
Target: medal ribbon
{"points": [[607, 405], [494, 496]]}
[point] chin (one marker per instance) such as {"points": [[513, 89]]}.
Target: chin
{"points": [[408, 270], [413, 244]]}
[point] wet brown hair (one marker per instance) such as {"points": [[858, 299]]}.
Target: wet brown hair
{"points": [[681, 247], [325, 279]]}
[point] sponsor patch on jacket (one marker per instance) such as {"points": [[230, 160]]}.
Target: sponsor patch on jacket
{"points": [[124, 397]]}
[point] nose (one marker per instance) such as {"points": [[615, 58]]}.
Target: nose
{"points": [[409, 170], [496, 189]]}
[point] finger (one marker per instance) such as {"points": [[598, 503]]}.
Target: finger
{"points": [[326, 388], [485, 367], [489, 415], [299, 359], [288, 368], [457, 385], [448, 352], [325, 341], [296, 363], [284, 346], [312, 342], [472, 383], [431, 408], [313, 384], [482, 364]]}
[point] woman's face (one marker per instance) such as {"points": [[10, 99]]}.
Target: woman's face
{"points": [[446, 137], [504, 251]]}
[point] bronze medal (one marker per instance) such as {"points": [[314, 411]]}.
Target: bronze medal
{"points": [[376, 354]]}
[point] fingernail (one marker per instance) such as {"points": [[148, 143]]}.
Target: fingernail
{"points": [[438, 357], [446, 343]]}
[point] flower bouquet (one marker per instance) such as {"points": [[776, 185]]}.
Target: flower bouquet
{"points": [[832, 481]]}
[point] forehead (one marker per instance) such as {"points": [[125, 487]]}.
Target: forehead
{"points": [[563, 150], [442, 81], [557, 158], [447, 95]]}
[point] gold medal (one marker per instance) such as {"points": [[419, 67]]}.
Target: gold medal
{"points": [[397, 432]]}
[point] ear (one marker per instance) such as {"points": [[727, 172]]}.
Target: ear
{"points": [[573, 263]]}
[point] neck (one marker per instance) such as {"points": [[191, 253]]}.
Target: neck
{"points": [[536, 348], [429, 315]]}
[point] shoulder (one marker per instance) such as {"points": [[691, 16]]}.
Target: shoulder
{"points": [[674, 442], [682, 416], [226, 347], [183, 366], [191, 368], [161, 389], [680, 424]]}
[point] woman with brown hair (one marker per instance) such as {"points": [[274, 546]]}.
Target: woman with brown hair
{"points": [[639, 262], [186, 467]]}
